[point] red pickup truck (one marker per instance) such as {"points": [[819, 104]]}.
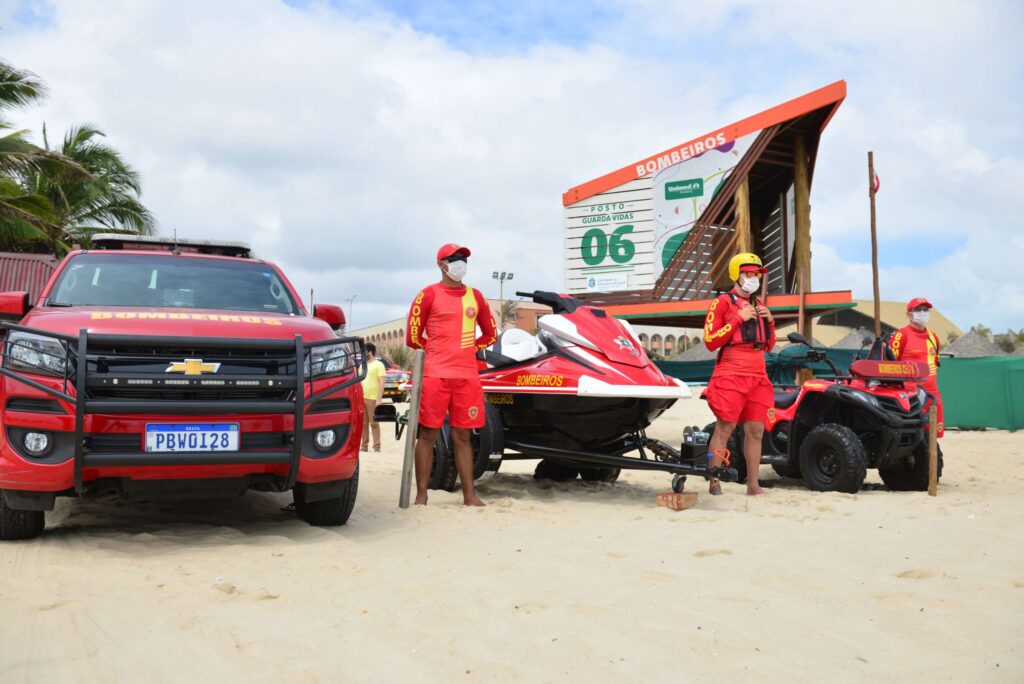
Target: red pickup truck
{"points": [[156, 368]]}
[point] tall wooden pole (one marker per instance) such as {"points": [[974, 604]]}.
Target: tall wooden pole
{"points": [[874, 244], [744, 241], [802, 192]]}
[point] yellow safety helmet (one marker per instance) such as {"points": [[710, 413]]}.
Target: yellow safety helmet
{"points": [[744, 259]]}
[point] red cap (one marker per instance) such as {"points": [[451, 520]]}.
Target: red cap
{"points": [[918, 301], [746, 268], [451, 248]]}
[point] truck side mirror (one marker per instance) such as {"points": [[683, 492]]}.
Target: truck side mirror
{"points": [[331, 314], [797, 338], [13, 305]]}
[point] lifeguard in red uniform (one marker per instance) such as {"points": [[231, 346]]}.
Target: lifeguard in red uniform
{"points": [[443, 320], [742, 329], [916, 342]]}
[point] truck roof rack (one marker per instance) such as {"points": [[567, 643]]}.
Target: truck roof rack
{"points": [[115, 241]]}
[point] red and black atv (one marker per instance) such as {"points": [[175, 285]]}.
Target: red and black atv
{"points": [[829, 432]]}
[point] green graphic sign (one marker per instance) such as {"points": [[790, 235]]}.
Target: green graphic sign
{"points": [[684, 189], [597, 245]]}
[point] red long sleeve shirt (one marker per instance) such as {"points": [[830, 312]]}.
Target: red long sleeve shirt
{"points": [[722, 331], [443, 321], [911, 344]]}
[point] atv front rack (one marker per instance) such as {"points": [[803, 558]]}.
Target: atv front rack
{"points": [[287, 390]]}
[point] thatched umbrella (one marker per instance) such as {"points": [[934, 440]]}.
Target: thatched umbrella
{"points": [[973, 345], [853, 339]]}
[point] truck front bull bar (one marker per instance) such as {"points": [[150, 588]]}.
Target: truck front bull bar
{"points": [[76, 373]]}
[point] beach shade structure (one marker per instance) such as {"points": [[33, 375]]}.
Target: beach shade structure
{"points": [[974, 345], [651, 241]]}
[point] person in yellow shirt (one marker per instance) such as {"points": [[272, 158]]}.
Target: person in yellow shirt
{"points": [[373, 394]]}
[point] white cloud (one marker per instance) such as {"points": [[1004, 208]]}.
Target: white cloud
{"points": [[348, 148]]}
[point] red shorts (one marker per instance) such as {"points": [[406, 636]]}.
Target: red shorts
{"points": [[461, 398], [740, 398]]}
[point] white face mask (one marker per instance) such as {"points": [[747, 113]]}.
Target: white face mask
{"points": [[457, 270], [920, 317], [750, 285]]}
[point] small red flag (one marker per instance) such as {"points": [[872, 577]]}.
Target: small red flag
{"points": [[877, 184]]}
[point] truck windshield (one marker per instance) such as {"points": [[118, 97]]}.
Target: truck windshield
{"points": [[118, 279]]}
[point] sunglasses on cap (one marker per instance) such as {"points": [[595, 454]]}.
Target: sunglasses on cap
{"points": [[455, 257]]}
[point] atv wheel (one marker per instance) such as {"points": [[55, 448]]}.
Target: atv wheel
{"points": [[597, 474], [327, 512], [559, 471], [735, 446], [832, 459], [910, 474], [789, 470], [15, 524], [443, 475]]}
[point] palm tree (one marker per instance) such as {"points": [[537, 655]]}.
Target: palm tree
{"points": [[104, 200], [509, 307], [24, 216]]}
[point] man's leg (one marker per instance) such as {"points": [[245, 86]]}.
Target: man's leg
{"points": [[719, 440], [464, 464], [753, 431], [367, 412], [374, 426], [424, 462]]}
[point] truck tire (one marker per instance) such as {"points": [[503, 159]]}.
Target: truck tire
{"points": [[15, 524], [443, 474], [559, 471], [327, 512], [910, 474], [735, 447], [599, 474], [832, 459]]}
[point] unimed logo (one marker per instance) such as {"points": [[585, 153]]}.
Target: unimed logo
{"points": [[684, 189]]}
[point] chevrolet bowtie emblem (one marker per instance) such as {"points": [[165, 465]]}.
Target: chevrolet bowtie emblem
{"points": [[192, 367]]}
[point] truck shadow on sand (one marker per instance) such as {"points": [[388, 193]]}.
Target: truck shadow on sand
{"points": [[255, 518]]}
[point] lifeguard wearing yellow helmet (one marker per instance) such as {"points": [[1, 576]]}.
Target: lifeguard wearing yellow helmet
{"points": [[744, 262]]}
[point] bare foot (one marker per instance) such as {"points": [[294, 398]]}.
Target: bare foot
{"points": [[714, 488], [421, 500], [755, 490], [473, 500]]}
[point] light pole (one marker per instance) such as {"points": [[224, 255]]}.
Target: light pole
{"points": [[350, 314], [501, 277]]}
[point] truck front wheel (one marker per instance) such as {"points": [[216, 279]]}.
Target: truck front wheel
{"points": [[16, 524], [327, 512]]}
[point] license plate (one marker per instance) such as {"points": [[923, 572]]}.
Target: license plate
{"points": [[192, 437]]}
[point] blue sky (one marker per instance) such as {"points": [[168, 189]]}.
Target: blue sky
{"points": [[484, 112]]}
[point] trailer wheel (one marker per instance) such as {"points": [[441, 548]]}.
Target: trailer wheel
{"points": [[788, 470], [678, 483], [444, 474], [597, 474], [910, 474], [735, 447], [486, 441], [16, 524], [832, 459], [559, 471], [327, 512]]}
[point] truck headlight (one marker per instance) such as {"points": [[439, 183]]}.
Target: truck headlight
{"points": [[328, 360], [35, 354]]}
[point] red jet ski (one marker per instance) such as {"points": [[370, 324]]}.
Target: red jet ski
{"points": [[578, 395]]}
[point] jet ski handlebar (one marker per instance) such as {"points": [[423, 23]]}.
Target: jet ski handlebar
{"points": [[559, 303]]}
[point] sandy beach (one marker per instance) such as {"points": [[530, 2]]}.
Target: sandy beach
{"points": [[567, 582]]}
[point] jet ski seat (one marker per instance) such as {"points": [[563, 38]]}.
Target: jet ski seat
{"points": [[513, 346], [518, 344]]}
